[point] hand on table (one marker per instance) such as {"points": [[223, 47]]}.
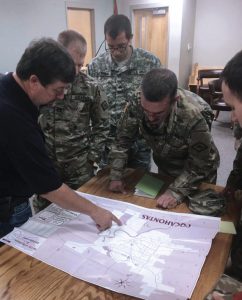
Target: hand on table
{"points": [[217, 296], [167, 200], [117, 186], [235, 296]]}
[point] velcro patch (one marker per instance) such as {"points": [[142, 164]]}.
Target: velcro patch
{"points": [[104, 105], [199, 147]]}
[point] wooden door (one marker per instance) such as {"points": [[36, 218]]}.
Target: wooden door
{"points": [[151, 31], [80, 20]]}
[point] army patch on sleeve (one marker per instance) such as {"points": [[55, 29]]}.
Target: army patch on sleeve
{"points": [[104, 105], [199, 147]]}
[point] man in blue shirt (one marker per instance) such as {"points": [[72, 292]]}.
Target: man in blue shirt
{"points": [[42, 75]]}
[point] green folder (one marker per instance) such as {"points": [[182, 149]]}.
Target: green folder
{"points": [[148, 186]]}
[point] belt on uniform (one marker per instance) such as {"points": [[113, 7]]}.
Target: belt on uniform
{"points": [[7, 205]]}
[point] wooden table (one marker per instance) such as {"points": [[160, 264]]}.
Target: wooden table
{"points": [[25, 278]]}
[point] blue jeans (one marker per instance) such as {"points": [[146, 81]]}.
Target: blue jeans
{"points": [[21, 214]]}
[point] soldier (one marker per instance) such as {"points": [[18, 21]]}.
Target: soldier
{"points": [[120, 70], [175, 124], [232, 92], [75, 129]]}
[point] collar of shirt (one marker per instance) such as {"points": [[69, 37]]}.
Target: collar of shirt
{"points": [[19, 97]]}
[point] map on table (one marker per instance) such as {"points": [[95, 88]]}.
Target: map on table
{"points": [[154, 255]]}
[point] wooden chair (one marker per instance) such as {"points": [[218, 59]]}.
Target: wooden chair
{"points": [[192, 80], [216, 97], [202, 81]]}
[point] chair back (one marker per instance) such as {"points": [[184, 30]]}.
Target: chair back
{"points": [[208, 73], [215, 87], [217, 102], [202, 81]]}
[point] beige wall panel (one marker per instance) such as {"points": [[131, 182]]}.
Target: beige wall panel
{"points": [[81, 21], [151, 32]]}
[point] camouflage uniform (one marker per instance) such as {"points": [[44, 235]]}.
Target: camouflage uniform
{"points": [[235, 177], [120, 82], [182, 147], [75, 131], [237, 130]]}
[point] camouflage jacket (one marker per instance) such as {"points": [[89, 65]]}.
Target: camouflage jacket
{"points": [[120, 82], [234, 180], [237, 131], [77, 126], [182, 147], [235, 177]]}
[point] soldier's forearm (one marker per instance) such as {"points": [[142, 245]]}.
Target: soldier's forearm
{"points": [[177, 195], [117, 169], [116, 174], [187, 182]]}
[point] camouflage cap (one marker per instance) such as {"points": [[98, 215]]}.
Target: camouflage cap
{"points": [[207, 202], [227, 287]]}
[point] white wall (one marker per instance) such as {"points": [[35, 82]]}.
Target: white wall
{"points": [[218, 23], [23, 20], [218, 31], [187, 37]]}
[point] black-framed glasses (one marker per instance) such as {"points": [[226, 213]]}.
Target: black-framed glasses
{"points": [[120, 48]]}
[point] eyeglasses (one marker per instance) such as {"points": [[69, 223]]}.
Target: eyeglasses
{"points": [[120, 48]]}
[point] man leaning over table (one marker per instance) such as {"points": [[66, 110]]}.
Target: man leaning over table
{"points": [[42, 75], [75, 129], [176, 125]]}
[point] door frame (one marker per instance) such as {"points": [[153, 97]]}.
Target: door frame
{"points": [[150, 6], [165, 8], [77, 5], [175, 9]]}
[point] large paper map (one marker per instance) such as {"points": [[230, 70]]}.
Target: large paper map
{"points": [[153, 255]]}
